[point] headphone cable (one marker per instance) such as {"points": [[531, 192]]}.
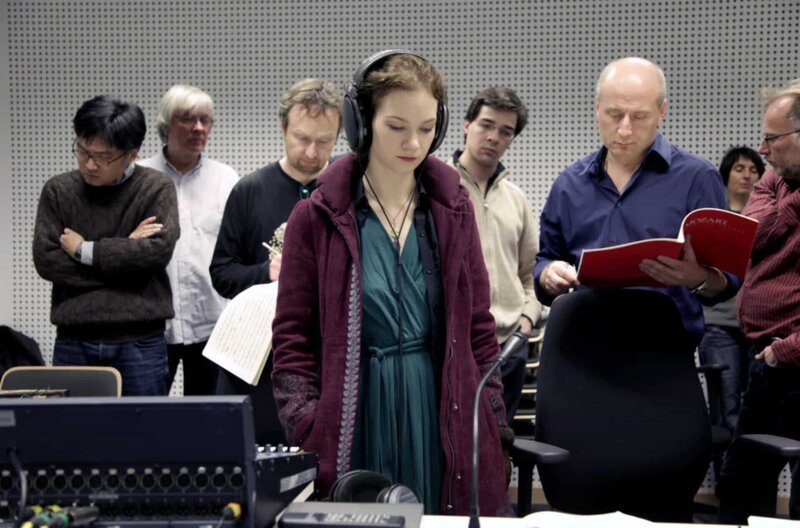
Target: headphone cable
{"points": [[22, 478]]}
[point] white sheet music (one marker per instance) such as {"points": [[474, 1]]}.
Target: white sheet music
{"points": [[242, 338]]}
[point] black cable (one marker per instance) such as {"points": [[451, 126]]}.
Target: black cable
{"points": [[21, 477]]}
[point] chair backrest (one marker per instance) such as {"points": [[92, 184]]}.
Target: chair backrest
{"points": [[80, 381], [618, 389]]}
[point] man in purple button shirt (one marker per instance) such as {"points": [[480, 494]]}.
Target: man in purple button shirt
{"points": [[637, 186]]}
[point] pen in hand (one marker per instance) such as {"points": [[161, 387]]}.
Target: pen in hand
{"points": [[272, 251]]}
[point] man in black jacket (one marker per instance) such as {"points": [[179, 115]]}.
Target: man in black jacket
{"points": [[246, 253]]}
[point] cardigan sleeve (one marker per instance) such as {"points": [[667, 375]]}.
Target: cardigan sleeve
{"points": [[295, 329], [482, 326], [528, 247]]}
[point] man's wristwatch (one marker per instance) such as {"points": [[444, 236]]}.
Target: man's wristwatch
{"points": [[78, 253], [704, 286]]}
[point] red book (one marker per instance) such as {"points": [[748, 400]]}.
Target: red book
{"points": [[720, 238]]}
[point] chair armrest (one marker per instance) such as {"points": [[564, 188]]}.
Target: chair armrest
{"points": [[778, 446], [527, 454], [537, 452]]}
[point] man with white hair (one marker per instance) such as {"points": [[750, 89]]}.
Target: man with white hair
{"points": [[184, 119], [636, 186]]}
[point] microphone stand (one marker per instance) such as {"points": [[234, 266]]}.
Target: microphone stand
{"points": [[509, 348]]}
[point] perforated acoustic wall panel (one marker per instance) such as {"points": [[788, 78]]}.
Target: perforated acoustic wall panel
{"points": [[716, 55]]}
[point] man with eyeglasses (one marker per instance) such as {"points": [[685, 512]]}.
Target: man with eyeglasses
{"points": [[638, 185], [184, 119], [508, 232], [104, 235], [245, 253], [769, 313]]}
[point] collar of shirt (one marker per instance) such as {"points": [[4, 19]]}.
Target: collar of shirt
{"points": [[125, 175], [500, 169], [303, 190], [658, 158], [167, 165]]}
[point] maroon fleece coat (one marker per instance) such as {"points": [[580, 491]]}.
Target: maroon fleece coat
{"points": [[317, 335]]}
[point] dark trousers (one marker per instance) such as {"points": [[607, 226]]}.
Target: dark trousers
{"points": [[726, 345], [199, 374], [141, 363], [749, 478], [512, 374]]}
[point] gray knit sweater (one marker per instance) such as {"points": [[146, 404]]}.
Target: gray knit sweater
{"points": [[125, 295]]}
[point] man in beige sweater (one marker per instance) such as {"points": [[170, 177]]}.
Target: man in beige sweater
{"points": [[505, 221]]}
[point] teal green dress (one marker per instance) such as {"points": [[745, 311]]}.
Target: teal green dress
{"points": [[397, 385]]}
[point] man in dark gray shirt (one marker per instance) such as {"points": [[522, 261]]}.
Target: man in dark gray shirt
{"points": [[104, 235]]}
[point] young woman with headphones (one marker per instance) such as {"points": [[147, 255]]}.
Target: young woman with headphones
{"points": [[383, 329]]}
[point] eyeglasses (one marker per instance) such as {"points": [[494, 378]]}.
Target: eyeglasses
{"points": [[84, 155], [190, 120], [769, 140]]}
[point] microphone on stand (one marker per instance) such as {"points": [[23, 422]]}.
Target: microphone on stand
{"points": [[511, 346]]}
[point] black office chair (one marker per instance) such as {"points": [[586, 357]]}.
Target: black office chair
{"points": [[619, 391], [777, 450], [79, 381], [781, 447]]}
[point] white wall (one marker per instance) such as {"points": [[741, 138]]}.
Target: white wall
{"points": [[6, 225]]}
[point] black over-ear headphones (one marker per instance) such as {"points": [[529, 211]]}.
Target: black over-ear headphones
{"points": [[356, 120], [368, 486]]}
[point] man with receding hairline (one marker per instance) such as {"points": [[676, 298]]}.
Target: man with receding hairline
{"points": [[770, 317], [310, 119], [636, 186]]}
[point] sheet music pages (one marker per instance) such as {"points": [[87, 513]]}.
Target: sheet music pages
{"points": [[242, 338], [722, 239]]}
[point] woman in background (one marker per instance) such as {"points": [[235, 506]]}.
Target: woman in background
{"points": [[723, 341], [383, 329]]}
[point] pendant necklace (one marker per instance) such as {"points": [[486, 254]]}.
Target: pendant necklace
{"points": [[396, 233]]}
